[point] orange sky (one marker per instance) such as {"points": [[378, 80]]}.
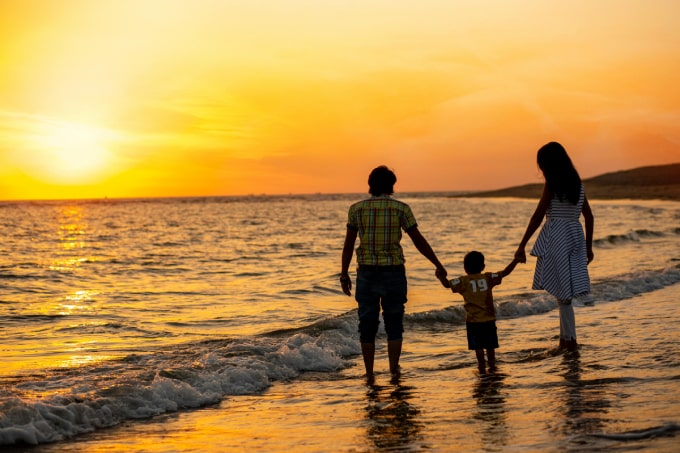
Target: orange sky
{"points": [[127, 98]]}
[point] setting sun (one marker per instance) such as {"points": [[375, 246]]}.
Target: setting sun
{"points": [[70, 154]]}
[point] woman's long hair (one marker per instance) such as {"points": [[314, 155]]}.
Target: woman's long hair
{"points": [[560, 175]]}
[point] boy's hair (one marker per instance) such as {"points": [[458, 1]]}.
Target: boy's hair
{"points": [[473, 262], [381, 181]]}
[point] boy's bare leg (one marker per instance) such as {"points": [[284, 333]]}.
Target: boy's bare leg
{"points": [[480, 360], [368, 352], [394, 353], [491, 355]]}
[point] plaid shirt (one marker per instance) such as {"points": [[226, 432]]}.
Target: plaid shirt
{"points": [[378, 222]]}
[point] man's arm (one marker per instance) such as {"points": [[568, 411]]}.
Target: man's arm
{"points": [[347, 252], [424, 248]]}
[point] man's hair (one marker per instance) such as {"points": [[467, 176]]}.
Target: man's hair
{"points": [[381, 181], [473, 262]]}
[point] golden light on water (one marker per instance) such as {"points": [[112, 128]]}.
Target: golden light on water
{"points": [[77, 302], [79, 360], [67, 264], [71, 228]]}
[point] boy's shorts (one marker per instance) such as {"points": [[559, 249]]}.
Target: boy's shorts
{"points": [[482, 335]]}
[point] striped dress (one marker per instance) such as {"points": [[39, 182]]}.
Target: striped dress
{"points": [[562, 265]]}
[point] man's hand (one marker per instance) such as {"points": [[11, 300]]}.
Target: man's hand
{"points": [[441, 275], [346, 284]]}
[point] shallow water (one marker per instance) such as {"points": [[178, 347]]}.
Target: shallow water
{"points": [[218, 324], [614, 395]]}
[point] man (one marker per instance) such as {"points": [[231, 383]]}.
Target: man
{"points": [[381, 276]]}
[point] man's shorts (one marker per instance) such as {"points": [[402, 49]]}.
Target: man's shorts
{"points": [[381, 288]]}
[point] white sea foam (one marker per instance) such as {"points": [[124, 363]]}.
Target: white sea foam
{"points": [[218, 371]]}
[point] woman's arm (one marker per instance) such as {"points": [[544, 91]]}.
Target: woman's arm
{"points": [[509, 268], [534, 223], [590, 224]]}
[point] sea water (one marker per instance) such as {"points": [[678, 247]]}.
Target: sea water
{"points": [[113, 312]]}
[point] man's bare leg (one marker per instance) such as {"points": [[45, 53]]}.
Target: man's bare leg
{"points": [[491, 356], [394, 353], [368, 352], [480, 360]]}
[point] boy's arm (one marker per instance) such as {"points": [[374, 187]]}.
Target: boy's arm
{"points": [[445, 282], [509, 268]]}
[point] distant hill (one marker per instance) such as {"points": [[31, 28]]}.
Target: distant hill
{"points": [[660, 182]]}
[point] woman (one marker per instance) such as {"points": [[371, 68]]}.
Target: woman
{"points": [[562, 250]]}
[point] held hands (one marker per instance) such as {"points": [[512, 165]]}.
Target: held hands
{"points": [[520, 255], [441, 274]]}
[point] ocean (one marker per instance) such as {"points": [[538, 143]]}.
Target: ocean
{"points": [[218, 324]]}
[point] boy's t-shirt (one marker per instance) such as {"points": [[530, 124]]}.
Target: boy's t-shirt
{"points": [[476, 291]]}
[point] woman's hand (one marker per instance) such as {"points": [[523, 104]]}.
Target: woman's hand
{"points": [[520, 255]]}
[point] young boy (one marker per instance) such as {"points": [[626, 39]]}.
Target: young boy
{"points": [[480, 320]]}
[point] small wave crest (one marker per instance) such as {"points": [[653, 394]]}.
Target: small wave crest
{"points": [[668, 429], [621, 287], [631, 236]]}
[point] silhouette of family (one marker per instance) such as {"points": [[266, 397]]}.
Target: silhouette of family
{"points": [[562, 252]]}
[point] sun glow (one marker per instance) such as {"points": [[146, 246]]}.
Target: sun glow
{"points": [[180, 103], [69, 153]]}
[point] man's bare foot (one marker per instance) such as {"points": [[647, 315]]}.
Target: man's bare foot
{"points": [[396, 375]]}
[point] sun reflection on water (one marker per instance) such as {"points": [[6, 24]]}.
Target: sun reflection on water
{"points": [[66, 264], [71, 227], [77, 302], [76, 361]]}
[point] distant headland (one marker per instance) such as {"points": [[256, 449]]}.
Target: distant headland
{"points": [[660, 182]]}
